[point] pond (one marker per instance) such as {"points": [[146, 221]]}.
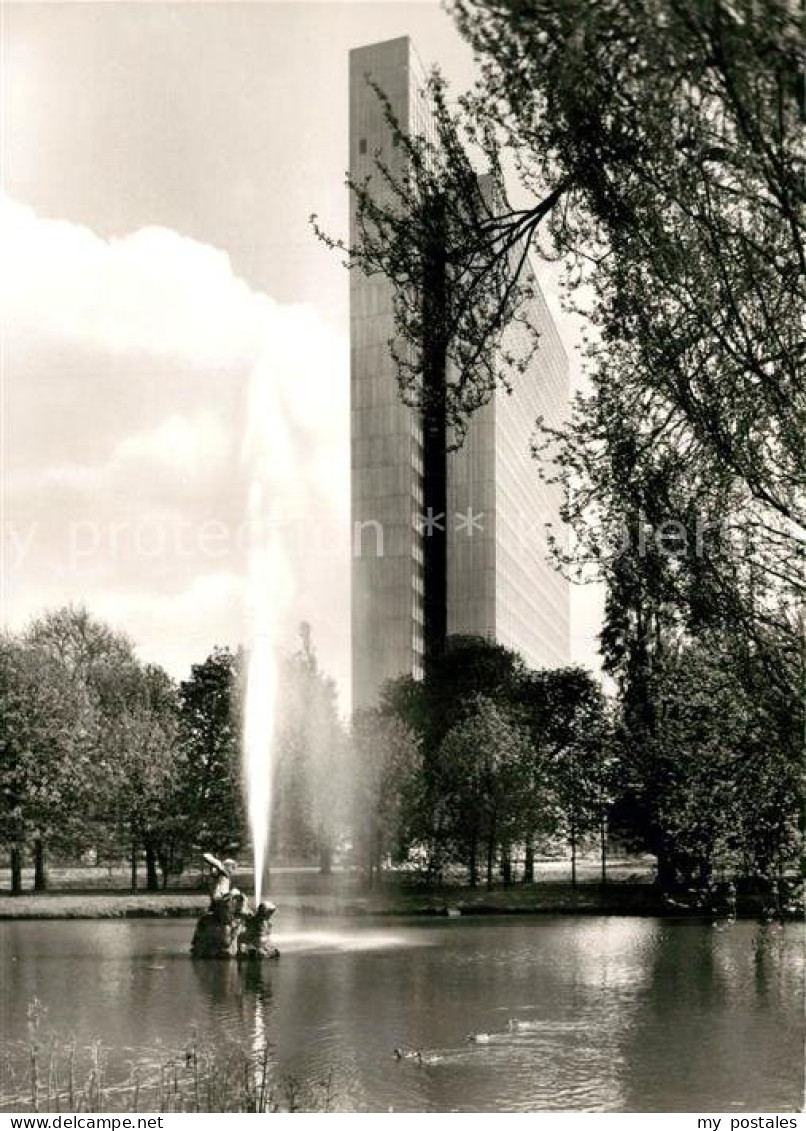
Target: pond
{"points": [[594, 1014]]}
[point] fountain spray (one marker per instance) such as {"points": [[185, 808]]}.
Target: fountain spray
{"points": [[259, 710], [267, 452]]}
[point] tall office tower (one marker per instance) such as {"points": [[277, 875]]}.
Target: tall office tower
{"points": [[480, 567]]}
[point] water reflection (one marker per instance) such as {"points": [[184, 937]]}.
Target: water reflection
{"points": [[239, 984], [719, 1025], [581, 1014]]}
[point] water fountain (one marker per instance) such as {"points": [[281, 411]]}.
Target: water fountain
{"points": [[230, 928]]}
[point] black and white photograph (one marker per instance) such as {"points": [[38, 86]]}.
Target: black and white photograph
{"points": [[402, 527]]}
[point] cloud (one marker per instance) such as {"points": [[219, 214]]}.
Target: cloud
{"points": [[152, 290], [138, 370], [130, 363], [183, 444], [180, 625]]}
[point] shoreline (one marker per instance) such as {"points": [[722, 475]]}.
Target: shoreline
{"points": [[546, 899]]}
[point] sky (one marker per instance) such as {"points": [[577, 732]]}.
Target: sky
{"points": [[158, 275]]}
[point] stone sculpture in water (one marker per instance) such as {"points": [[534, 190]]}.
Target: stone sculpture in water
{"points": [[229, 928]]}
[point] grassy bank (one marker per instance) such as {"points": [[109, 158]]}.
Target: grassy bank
{"points": [[100, 893], [101, 905], [390, 900], [387, 901], [440, 901]]}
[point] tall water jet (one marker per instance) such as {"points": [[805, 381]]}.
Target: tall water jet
{"points": [[260, 704], [267, 457]]}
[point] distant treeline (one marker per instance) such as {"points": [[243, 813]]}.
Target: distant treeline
{"points": [[474, 768]]}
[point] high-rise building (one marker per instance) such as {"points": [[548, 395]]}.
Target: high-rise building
{"points": [[443, 543]]}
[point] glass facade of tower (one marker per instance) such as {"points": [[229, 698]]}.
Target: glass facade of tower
{"points": [[498, 582]]}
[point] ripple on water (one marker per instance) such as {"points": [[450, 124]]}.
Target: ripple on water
{"points": [[289, 942], [635, 1016]]}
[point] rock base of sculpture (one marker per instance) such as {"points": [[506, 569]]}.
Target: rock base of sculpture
{"points": [[255, 942], [229, 929]]}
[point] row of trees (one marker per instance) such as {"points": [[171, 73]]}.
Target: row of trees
{"points": [[506, 757], [101, 752], [481, 761], [485, 756]]}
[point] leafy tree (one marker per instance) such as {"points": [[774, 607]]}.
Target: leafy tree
{"points": [[465, 668], [87, 648], [47, 733], [681, 548], [149, 772], [210, 736], [89, 743], [563, 772], [717, 781], [569, 722], [386, 763], [13, 722], [85, 663], [482, 766]]}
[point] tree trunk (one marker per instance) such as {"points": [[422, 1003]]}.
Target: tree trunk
{"points": [[40, 871], [529, 863], [325, 859], [164, 861], [603, 844], [474, 863], [378, 855], [16, 870], [134, 866], [705, 872], [573, 855], [667, 873], [490, 859], [506, 864], [152, 879]]}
